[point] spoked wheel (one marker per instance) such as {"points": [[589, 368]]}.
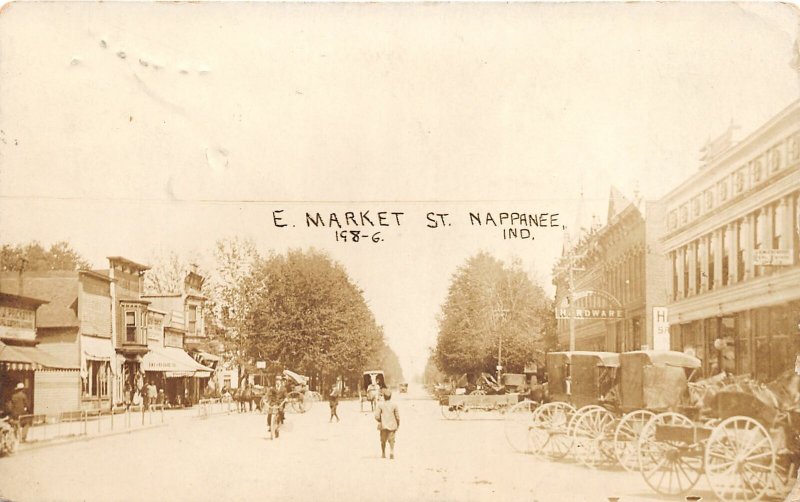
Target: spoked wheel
{"points": [[549, 434], [451, 412], [626, 438], [519, 419], [670, 466], [298, 402], [740, 459], [592, 431]]}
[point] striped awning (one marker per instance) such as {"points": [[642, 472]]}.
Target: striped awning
{"points": [[25, 358], [174, 363]]}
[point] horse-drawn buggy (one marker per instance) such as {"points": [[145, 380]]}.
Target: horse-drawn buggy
{"points": [[298, 395], [744, 436], [578, 383], [370, 389]]}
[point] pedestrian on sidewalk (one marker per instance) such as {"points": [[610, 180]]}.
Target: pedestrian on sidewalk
{"points": [[19, 407], [152, 394], [333, 400], [387, 415]]}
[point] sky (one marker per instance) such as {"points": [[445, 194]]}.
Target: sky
{"points": [[139, 129]]}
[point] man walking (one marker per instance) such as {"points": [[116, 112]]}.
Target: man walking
{"points": [[333, 400], [388, 417]]}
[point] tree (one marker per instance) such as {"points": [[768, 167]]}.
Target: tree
{"points": [[386, 359], [33, 256], [305, 313], [489, 303], [166, 274]]}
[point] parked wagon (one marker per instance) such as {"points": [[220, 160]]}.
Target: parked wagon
{"points": [[650, 382], [747, 447], [578, 383]]}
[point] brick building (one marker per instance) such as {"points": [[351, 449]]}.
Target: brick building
{"points": [[617, 279]]}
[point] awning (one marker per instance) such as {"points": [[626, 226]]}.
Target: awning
{"points": [[97, 349], [300, 379], [30, 358], [173, 362]]}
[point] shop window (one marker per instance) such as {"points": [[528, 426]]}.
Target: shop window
{"points": [[781, 353], [686, 272], [130, 326], [724, 235], [96, 382], [744, 360], [761, 344], [777, 223], [757, 233]]}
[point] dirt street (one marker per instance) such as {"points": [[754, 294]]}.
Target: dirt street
{"points": [[231, 458]]}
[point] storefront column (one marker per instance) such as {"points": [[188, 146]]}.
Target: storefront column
{"points": [[693, 268], [671, 275], [766, 232], [786, 223], [704, 270], [717, 258], [681, 265], [733, 252], [747, 227]]}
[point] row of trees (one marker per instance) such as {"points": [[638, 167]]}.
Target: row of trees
{"points": [[490, 304]]}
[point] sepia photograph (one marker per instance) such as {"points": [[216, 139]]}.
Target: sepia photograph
{"points": [[444, 252]]}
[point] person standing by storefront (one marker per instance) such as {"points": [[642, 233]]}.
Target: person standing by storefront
{"points": [[18, 408], [152, 394]]}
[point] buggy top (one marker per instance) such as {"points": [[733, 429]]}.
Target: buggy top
{"points": [[655, 380]]}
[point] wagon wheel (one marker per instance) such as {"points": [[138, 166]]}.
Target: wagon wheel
{"points": [[519, 419], [626, 438], [740, 459], [451, 412], [549, 436], [592, 435], [296, 398], [670, 467], [308, 400]]}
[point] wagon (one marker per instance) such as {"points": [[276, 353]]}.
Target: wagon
{"points": [[650, 382], [746, 449], [579, 383], [476, 392], [370, 389]]}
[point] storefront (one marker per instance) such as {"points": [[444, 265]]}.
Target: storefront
{"points": [[177, 373]]}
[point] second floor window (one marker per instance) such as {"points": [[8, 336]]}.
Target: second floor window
{"points": [[192, 320], [130, 326]]}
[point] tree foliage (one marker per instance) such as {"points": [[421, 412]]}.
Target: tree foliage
{"points": [[489, 303], [33, 256], [304, 312]]}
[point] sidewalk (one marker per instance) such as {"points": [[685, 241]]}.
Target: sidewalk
{"points": [[63, 432]]}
